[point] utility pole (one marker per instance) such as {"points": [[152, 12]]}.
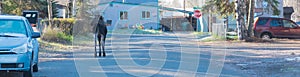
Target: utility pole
{"points": [[74, 8], [50, 12]]}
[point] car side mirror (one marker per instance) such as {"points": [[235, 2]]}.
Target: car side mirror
{"points": [[36, 35]]}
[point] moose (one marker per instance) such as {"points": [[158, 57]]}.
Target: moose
{"points": [[100, 31]]}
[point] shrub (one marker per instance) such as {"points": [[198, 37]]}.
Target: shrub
{"points": [[64, 36], [54, 35], [65, 25]]}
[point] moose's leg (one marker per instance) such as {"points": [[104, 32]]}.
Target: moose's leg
{"points": [[95, 45], [103, 45], [99, 41]]}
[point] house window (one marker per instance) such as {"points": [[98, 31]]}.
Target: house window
{"points": [[145, 14], [123, 15]]}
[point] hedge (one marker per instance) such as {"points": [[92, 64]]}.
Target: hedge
{"points": [[63, 24]]}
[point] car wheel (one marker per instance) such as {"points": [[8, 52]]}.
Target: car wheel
{"points": [[266, 36], [35, 68]]}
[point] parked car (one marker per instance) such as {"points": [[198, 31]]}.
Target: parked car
{"points": [[272, 27], [18, 45], [33, 18]]}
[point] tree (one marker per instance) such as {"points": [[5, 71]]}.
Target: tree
{"points": [[87, 11], [240, 8], [213, 5], [17, 6], [250, 18]]}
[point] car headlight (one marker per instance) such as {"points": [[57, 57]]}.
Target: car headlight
{"points": [[20, 49]]}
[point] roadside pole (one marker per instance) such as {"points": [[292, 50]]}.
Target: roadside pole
{"points": [[198, 15], [50, 12], [198, 25], [74, 8]]}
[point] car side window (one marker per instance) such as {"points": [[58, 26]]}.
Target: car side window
{"points": [[30, 30], [275, 23], [288, 24], [262, 21]]}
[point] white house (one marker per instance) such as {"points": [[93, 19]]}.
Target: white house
{"points": [[129, 14], [262, 8], [61, 8]]}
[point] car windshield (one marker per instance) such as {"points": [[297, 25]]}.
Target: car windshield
{"points": [[12, 28]]}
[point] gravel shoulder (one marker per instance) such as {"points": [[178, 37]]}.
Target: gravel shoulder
{"points": [[272, 59]]}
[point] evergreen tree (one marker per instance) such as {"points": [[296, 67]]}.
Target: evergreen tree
{"points": [[16, 7]]}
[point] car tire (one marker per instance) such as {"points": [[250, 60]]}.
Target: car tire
{"points": [[35, 68], [266, 36]]}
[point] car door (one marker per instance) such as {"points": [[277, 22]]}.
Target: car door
{"points": [[34, 43], [276, 27], [288, 24], [295, 29]]}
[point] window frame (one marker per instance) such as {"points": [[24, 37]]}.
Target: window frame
{"points": [[123, 15], [146, 15], [280, 24], [292, 24], [262, 19]]}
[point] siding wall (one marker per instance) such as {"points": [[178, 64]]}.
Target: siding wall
{"points": [[112, 12]]}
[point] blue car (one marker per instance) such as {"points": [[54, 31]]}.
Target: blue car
{"points": [[18, 45], [298, 23]]}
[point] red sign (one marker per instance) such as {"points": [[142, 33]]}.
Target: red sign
{"points": [[197, 13]]}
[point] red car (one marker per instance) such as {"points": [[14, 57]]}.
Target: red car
{"points": [[271, 27]]}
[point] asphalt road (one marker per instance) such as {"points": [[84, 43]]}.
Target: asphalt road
{"points": [[164, 55]]}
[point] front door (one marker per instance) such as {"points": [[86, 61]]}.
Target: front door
{"points": [[276, 27], [293, 27]]}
